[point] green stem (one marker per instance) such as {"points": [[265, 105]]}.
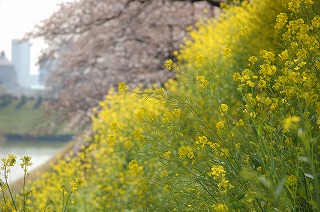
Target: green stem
{"points": [[65, 207], [315, 175], [24, 189], [62, 200], [7, 184]]}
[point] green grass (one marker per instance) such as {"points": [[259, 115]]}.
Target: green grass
{"points": [[25, 120]]}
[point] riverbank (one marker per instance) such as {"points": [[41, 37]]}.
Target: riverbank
{"points": [[45, 138]]}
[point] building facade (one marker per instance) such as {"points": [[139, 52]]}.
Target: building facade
{"points": [[21, 61]]}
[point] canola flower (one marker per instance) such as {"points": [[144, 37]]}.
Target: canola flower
{"points": [[186, 152], [122, 87], [218, 172], [288, 122], [169, 64], [200, 60], [202, 82], [220, 125], [224, 108], [167, 154], [292, 181], [220, 207], [202, 140]]}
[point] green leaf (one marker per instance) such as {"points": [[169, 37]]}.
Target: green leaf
{"points": [[279, 188], [302, 192], [267, 183], [237, 198], [237, 205]]}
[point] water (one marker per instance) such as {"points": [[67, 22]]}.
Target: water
{"points": [[40, 151]]}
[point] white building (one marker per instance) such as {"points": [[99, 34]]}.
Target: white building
{"points": [[20, 57]]}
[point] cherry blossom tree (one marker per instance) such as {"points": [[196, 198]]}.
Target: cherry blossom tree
{"points": [[96, 44]]}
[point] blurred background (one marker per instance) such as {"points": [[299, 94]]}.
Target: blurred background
{"points": [[22, 87], [59, 58]]}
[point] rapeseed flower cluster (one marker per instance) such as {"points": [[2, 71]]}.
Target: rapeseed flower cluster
{"points": [[186, 152], [237, 131]]}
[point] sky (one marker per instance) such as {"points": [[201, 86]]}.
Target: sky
{"points": [[20, 16]]}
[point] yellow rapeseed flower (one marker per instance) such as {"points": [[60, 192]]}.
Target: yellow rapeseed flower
{"points": [[164, 173], [167, 117], [169, 64], [202, 82], [128, 145], [237, 145], [240, 123], [200, 60], [122, 87], [225, 185], [202, 140], [217, 171], [282, 19], [167, 154], [219, 207], [166, 188], [224, 108], [316, 22], [294, 5], [220, 125], [253, 60], [267, 56], [284, 55], [287, 123], [226, 52], [292, 180], [112, 140], [176, 113], [224, 152], [244, 30], [76, 184], [137, 135], [185, 151], [134, 168]]}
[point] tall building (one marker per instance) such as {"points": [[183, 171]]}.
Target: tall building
{"points": [[21, 59]]}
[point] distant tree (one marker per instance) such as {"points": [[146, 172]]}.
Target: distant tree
{"points": [[22, 102], [5, 100], [98, 43], [38, 103]]}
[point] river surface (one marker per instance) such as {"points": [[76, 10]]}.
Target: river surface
{"points": [[40, 151]]}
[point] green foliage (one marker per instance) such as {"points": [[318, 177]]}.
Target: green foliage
{"points": [[238, 130]]}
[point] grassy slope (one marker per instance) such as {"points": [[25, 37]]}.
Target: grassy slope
{"points": [[27, 120], [19, 121]]}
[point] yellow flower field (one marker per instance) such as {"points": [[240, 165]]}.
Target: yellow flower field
{"points": [[237, 131]]}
